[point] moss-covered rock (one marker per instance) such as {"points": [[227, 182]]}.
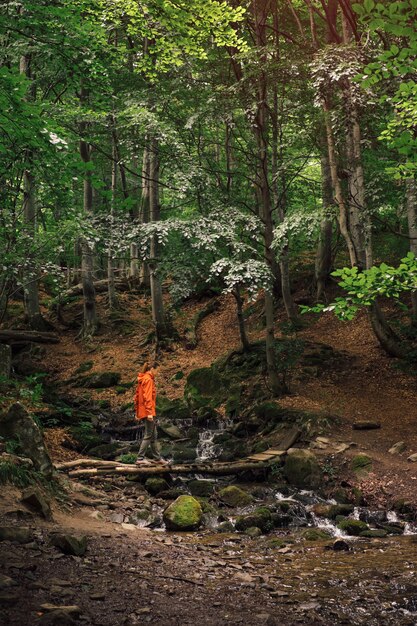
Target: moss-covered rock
{"points": [[105, 450], [183, 514], [225, 527], [333, 511], [361, 464], [201, 488], [302, 470], [374, 533], [234, 496], [270, 412], [183, 453], [315, 534], [393, 528], [155, 485], [204, 387], [171, 410], [261, 518], [253, 532], [352, 527], [170, 430]]}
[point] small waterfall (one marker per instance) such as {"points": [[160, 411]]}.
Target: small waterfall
{"points": [[206, 448]]}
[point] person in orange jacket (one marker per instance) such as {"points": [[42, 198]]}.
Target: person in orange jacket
{"points": [[145, 407]]}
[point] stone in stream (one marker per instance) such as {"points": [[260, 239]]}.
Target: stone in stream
{"points": [[201, 488], [374, 533], [262, 518], [234, 496], [398, 447], [185, 513], [352, 527], [69, 544], [340, 545], [316, 534], [17, 424], [302, 469], [155, 485]]}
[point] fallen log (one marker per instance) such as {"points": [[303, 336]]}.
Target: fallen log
{"points": [[86, 463], [216, 469], [99, 286], [11, 336]]}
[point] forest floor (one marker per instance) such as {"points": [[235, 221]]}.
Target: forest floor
{"points": [[365, 385], [132, 576]]}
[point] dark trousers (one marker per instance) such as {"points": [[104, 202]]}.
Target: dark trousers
{"points": [[150, 438]]}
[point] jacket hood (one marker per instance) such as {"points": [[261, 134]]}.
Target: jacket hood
{"points": [[142, 377]]}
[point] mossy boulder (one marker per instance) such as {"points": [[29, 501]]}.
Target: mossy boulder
{"points": [[352, 527], [393, 528], [182, 453], [361, 464], [171, 410], [185, 513], [204, 387], [253, 532], [225, 527], [105, 450], [261, 518], [234, 496], [201, 488], [315, 534], [170, 430], [374, 533], [69, 544], [302, 470], [333, 511], [155, 485]]}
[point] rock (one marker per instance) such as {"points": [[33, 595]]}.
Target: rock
{"points": [[171, 494], [101, 380], [15, 534], [72, 610], [18, 425], [262, 518], [172, 431], [6, 582], [225, 527], [5, 360], [69, 544], [204, 388], [201, 488], [270, 412], [156, 485], [366, 425], [373, 517], [234, 496], [171, 409], [185, 513], [412, 458], [57, 618], [302, 469], [374, 533], [315, 534], [394, 528], [339, 509], [182, 452], [405, 508], [340, 545], [253, 531], [398, 447], [35, 501], [106, 451], [361, 464], [352, 527]]}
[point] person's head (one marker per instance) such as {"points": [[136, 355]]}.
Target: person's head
{"points": [[150, 366]]}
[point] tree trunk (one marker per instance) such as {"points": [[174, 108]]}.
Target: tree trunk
{"points": [[323, 264], [30, 277], [113, 301], [158, 314], [240, 320], [411, 193], [145, 211], [87, 257]]}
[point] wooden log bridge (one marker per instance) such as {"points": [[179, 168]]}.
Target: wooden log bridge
{"points": [[84, 468]]}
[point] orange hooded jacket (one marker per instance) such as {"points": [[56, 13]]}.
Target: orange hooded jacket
{"points": [[145, 397]]}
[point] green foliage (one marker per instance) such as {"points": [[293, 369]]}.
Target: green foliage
{"points": [[363, 288], [18, 475], [129, 458]]}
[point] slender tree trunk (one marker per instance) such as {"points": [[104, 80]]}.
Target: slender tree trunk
{"points": [[113, 300], [158, 314], [240, 319], [260, 129], [87, 256], [30, 278], [324, 251], [145, 210], [411, 194]]}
